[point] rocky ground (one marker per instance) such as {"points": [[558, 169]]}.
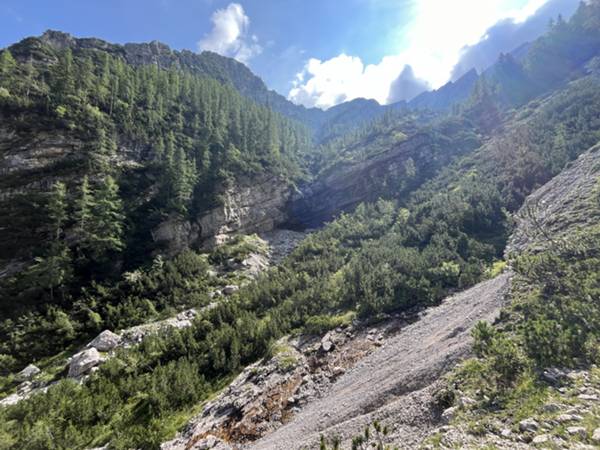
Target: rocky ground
{"points": [[568, 201], [569, 418], [345, 380]]}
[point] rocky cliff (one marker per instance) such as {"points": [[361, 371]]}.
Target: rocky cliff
{"points": [[249, 206], [391, 173]]}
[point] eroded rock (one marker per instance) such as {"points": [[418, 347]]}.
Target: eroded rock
{"points": [[528, 425], [83, 361], [28, 372], [105, 341]]}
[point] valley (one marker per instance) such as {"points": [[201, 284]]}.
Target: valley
{"points": [[188, 260]]}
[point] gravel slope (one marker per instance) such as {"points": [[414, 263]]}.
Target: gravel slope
{"points": [[397, 380]]}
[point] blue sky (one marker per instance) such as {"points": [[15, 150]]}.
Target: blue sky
{"points": [[317, 52]]}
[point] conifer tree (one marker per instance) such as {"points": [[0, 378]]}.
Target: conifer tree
{"points": [[106, 230], [7, 69], [54, 268], [84, 205], [182, 179]]}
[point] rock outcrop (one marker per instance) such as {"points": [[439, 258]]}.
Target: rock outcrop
{"points": [[250, 206], [105, 341], [28, 372], [569, 200], [385, 175], [82, 362]]}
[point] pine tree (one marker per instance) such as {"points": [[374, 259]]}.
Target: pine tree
{"points": [[182, 180], [84, 205], [8, 66], [63, 76], [54, 268], [57, 210], [106, 230]]}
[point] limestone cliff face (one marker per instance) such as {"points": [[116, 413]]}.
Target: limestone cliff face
{"points": [[249, 206], [381, 176]]}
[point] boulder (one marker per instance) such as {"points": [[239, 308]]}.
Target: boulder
{"points": [[105, 341], [28, 372], [596, 436], [83, 361], [326, 344], [541, 439], [553, 375], [230, 289], [449, 414], [577, 431], [563, 418], [551, 407], [466, 402], [12, 399], [528, 425], [337, 371]]}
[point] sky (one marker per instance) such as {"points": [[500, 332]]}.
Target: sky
{"points": [[315, 52]]}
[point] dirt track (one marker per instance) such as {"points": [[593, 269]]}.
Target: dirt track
{"points": [[396, 381]]}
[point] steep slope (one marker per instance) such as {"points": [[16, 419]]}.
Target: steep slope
{"points": [[394, 382], [452, 93], [534, 381], [397, 381]]}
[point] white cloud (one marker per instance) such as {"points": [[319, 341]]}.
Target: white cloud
{"points": [[230, 34], [437, 34]]}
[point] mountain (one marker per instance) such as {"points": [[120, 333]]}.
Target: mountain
{"points": [[182, 266], [450, 94]]}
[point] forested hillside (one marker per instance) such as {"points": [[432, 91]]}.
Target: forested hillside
{"points": [[101, 149]]}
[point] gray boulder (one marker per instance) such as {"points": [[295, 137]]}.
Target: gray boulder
{"points": [[230, 289], [530, 425], [83, 361], [28, 372], [105, 341]]}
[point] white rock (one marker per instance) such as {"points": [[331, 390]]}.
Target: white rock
{"points": [[596, 436], [528, 425], [569, 418], [28, 372], [12, 399], [326, 345], [84, 361], [337, 371], [449, 414], [581, 431], [506, 433], [541, 439], [105, 341], [466, 401], [588, 397]]}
